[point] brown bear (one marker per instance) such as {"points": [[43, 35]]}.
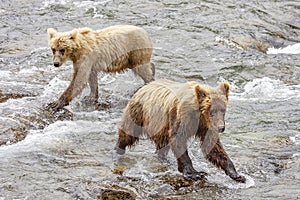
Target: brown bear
{"points": [[170, 113], [112, 49]]}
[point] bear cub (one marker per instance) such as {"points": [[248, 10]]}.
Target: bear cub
{"points": [[113, 49], [170, 113]]}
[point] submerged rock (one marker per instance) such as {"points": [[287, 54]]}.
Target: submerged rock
{"points": [[244, 43], [11, 131], [179, 181], [112, 192], [5, 97], [15, 121]]}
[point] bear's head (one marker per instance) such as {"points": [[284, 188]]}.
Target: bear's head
{"points": [[63, 45], [213, 103]]}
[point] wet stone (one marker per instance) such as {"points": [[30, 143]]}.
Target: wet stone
{"points": [[175, 186], [163, 191], [15, 127], [179, 181], [11, 131], [103, 105], [115, 192], [5, 97], [119, 170]]}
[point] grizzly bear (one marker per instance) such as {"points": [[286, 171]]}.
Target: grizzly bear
{"points": [[170, 113], [112, 49]]}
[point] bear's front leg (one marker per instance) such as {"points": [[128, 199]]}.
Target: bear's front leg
{"points": [[60, 103], [184, 162], [220, 159], [56, 105], [231, 172], [80, 76]]}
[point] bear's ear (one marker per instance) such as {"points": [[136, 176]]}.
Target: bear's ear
{"points": [[200, 92], [73, 34], [224, 87], [51, 33]]}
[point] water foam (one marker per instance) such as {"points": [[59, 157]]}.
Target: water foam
{"points": [[268, 89], [290, 49], [222, 179]]}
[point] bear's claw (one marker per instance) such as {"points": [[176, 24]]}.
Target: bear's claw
{"points": [[239, 178], [55, 106]]}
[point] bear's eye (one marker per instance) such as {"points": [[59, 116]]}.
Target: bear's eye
{"points": [[53, 50], [62, 51]]}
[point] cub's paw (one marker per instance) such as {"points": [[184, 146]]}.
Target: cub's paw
{"points": [[90, 100], [102, 105], [239, 178], [53, 106], [57, 105]]}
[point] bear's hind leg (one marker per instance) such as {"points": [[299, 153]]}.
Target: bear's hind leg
{"points": [[124, 141], [146, 72], [93, 83], [131, 127]]}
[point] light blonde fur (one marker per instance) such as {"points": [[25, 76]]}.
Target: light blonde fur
{"points": [[112, 49]]}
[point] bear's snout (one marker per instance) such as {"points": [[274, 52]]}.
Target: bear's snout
{"points": [[56, 64]]}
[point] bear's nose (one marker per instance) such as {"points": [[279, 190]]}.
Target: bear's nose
{"points": [[221, 129], [56, 64]]}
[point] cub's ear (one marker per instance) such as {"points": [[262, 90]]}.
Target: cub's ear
{"points": [[73, 34], [200, 92], [51, 33], [224, 87]]}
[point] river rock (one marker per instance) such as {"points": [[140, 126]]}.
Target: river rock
{"points": [[116, 192]]}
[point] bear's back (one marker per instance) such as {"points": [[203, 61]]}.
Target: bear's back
{"points": [[164, 93], [162, 101], [126, 34], [159, 97]]}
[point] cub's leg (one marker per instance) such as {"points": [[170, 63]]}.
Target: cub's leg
{"points": [[162, 138], [162, 152], [184, 162], [145, 71], [125, 140], [93, 83], [80, 76], [161, 141], [130, 128], [220, 159]]}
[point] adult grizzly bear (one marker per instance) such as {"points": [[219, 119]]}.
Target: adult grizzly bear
{"points": [[170, 113], [112, 49]]}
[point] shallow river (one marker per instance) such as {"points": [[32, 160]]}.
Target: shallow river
{"points": [[254, 45]]}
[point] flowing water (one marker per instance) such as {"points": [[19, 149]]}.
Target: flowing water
{"points": [[254, 45]]}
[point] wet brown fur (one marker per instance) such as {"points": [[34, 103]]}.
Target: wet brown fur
{"points": [[170, 113]]}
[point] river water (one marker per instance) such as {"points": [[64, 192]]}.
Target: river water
{"points": [[254, 45]]}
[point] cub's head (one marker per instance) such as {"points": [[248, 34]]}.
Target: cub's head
{"points": [[213, 104], [63, 45]]}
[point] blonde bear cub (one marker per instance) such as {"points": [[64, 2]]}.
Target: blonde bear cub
{"points": [[112, 49]]}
